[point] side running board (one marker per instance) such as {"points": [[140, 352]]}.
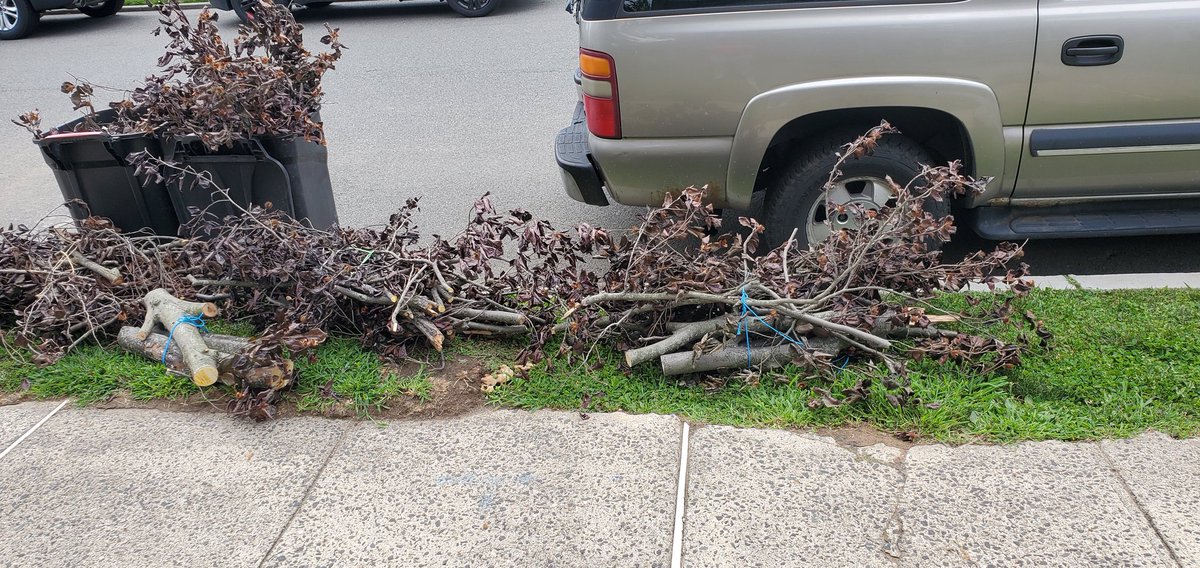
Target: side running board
{"points": [[1105, 219]]}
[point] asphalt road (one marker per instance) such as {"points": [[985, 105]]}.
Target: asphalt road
{"points": [[424, 103]]}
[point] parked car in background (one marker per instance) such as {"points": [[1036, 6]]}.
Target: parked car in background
{"points": [[18, 18], [245, 8], [1084, 114]]}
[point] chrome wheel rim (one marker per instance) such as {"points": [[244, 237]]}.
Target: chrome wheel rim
{"points": [[871, 193], [8, 14], [472, 4]]}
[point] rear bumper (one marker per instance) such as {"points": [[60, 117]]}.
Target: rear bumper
{"points": [[221, 4], [580, 177]]}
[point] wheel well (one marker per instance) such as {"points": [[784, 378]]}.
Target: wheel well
{"points": [[940, 133]]}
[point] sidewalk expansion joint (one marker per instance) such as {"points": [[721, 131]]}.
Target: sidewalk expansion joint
{"points": [[33, 429], [333, 449], [680, 498], [1131, 497], [893, 532]]}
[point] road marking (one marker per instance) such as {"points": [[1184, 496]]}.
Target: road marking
{"points": [[32, 430], [680, 500]]}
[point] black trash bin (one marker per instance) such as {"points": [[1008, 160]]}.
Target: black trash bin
{"points": [[96, 179], [289, 174], [307, 166]]}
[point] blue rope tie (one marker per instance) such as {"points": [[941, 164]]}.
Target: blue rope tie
{"points": [[744, 326], [194, 321]]}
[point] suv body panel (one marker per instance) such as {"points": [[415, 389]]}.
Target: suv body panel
{"points": [[1130, 108], [642, 170], [717, 91], [973, 104], [728, 67], [693, 75]]}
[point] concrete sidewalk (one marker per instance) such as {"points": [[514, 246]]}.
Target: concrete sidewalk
{"points": [[506, 488]]}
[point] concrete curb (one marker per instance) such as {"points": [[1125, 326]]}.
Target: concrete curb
{"points": [[1147, 281], [1120, 281]]}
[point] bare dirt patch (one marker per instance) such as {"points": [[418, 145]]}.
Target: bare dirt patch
{"points": [[455, 392], [863, 435]]}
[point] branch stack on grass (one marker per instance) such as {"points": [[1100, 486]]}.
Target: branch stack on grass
{"points": [[498, 278], [674, 295], [690, 302], [63, 286], [384, 285]]}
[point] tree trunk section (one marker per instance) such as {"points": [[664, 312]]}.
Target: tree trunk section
{"points": [[167, 310], [734, 357], [152, 346]]}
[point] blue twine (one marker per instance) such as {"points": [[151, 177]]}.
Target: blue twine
{"points": [[743, 325], [194, 321]]}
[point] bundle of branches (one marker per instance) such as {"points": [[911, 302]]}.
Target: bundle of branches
{"points": [[675, 293], [694, 303], [66, 285], [499, 277], [383, 284], [266, 84], [260, 369]]}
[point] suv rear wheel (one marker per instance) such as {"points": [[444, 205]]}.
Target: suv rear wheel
{"points": [[17, 19], [796, 199], [473, 8]]}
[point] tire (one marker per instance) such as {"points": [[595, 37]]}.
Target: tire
{"points": [[317, 5], [473, 8], [104, 10], [792, 200], [17, 19]]}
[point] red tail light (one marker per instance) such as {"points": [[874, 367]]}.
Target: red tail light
{"points": [[600, 93]]}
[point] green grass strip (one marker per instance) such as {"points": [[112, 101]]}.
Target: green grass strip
{"points": [[1122, 362], [344, 372]]}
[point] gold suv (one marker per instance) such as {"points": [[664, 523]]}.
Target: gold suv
{"points": [[1084, 114]]}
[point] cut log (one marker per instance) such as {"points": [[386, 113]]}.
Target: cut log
{"points": [[431, 332], [166, 310], [942, 318], [681, 338], [423, 304], [152, 346], [685, 334], [476, 328], [226, 343], [111, 274], [734, 357], [865, 337], [495, 316]]}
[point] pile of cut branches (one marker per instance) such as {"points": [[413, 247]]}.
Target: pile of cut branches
{"points": [[499, 277], [692, 302], [383, 285], [676, 293], [64, 286], [266, 84]]}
